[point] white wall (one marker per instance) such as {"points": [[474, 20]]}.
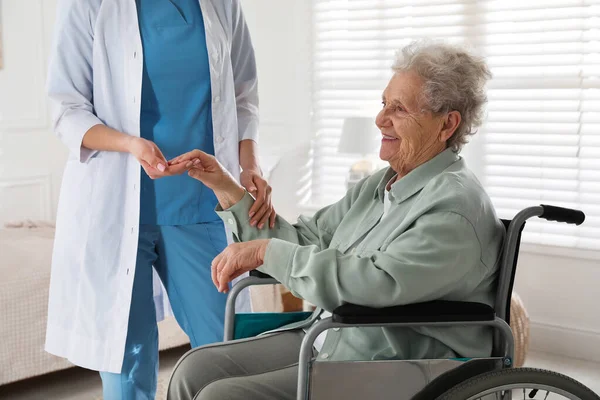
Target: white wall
{"points": [[561, 295], [281, 33], [31, 158], [281, 36]]}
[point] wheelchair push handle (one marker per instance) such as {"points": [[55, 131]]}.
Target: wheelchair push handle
{"points": [[560, 214]]}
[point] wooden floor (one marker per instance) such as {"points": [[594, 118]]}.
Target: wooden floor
{"points": [[80, 384]]}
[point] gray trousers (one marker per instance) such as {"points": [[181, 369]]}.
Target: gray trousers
{"points": [[260, 368]]}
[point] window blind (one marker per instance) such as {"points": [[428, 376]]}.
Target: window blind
{"points": [[541, 139]]}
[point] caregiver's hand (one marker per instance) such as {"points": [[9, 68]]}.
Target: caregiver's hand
{"points": [[206, 169], [209, 171], [262, 212], [237, 259], [150, 157]]}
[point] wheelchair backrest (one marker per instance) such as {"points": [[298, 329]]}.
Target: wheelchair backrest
{"points": [[508, 270]]}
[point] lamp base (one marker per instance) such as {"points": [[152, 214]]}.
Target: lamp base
{"points": [[360, 170]]}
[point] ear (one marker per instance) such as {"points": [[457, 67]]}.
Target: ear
{"points": [[451, 122]]}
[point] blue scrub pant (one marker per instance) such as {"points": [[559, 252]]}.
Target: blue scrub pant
{"points": [[182, 256]]}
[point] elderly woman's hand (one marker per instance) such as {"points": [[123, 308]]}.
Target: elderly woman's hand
{"points": [[237, 259], [262, 211], [205, 168]]}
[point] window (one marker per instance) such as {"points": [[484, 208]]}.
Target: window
{"points": [[541, 140]]}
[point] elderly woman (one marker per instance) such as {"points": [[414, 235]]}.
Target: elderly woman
{"points": [[422, 229]]}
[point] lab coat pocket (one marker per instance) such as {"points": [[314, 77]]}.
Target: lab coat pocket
{"points": [[75, 193]]}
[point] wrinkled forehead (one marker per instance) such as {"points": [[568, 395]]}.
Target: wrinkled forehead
{"points": [[404, 88]]}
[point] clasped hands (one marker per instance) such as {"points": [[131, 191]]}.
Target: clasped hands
{"points": [[208, 170], [237, 258]]}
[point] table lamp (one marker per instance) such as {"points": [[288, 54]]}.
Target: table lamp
{"points": [[361, 136]]}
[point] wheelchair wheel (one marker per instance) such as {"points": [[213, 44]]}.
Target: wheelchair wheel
{"points": [[523, 383]]}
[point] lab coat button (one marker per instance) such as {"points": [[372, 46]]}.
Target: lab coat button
{"points": [[220, 139], [135, 54], [230, 221], [336, 329], [325, 355], [217, 99]]}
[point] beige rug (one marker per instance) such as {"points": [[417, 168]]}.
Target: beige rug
{"points": [[80, 384], [161, 390]]}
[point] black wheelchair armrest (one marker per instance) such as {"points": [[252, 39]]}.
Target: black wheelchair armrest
{"points": [[433, 311], [257, 274]]}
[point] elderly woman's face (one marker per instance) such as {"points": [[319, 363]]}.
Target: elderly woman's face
{"points": [[411, 135]]}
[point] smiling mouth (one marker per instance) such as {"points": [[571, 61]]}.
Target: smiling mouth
{"points": [[390, 138]]}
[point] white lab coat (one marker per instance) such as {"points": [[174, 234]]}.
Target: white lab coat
{"points": [[95, 77]]}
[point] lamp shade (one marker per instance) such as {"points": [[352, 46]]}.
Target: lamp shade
{"points": [[360, 135]]}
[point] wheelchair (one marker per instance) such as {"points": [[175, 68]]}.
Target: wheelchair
{"points": [[454, 379]]}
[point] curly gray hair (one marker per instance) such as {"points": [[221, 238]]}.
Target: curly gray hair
{"points": [[453, 80]]}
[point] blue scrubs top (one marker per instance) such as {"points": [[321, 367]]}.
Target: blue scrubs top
{"points": [[175, 108]]}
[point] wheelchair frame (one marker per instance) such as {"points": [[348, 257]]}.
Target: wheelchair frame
{"points": [[423, 314]]}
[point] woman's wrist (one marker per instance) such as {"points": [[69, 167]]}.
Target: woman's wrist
{"points": [[230, 195], [251, 165], [248, 156], [253, 168], [263, 252], [102, 138], [128, 143]]}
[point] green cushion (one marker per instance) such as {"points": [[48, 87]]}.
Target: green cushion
{"points": [[252, 324]]}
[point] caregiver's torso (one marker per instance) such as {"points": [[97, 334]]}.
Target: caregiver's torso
{"points": [[175, 107], [118, 79], [98, 215], [118, 66]]}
